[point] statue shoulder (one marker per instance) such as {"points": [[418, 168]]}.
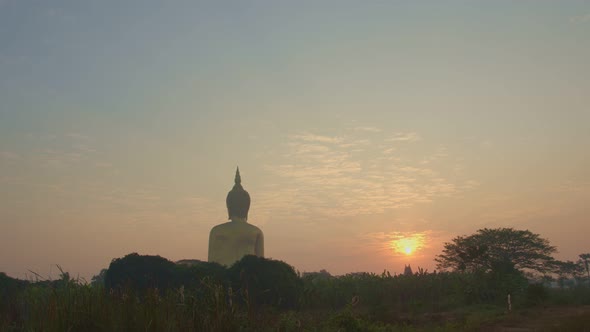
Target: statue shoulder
{"points": [[219, 227], [256, 229]]}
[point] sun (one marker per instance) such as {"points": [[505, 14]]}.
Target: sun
{"points": [[407, 245]]}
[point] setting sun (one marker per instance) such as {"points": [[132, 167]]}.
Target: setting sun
{"points": [[408, 244]]}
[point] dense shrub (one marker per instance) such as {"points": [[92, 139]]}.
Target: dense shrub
{"points": [[137, 273], [258, 294], [10, 286], [190, 275], [536, 294], [263, 281]]}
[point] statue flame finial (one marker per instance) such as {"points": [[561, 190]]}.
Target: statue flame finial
{"points": [[238, 179], [238, 199]]}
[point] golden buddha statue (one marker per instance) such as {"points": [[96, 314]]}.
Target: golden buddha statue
{"points": [[230, 241]]}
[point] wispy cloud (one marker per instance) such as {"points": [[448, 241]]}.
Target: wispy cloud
{"points": [[351, 175], [441, 153], [368, 129], [103, 164], [404, 137], [580, 19], [308, 137], [77, 136], [60, 158], [9, 155], [573, 187]]}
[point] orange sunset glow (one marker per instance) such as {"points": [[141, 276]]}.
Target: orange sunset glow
{"points": [[408, 245], [294, 165], [367, 133]]}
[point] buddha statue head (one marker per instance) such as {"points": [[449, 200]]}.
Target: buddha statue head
{"points": [[238, 200]]}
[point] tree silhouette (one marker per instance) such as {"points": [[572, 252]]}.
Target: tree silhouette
{"points": [[140, 272], [585, 259], [496, 250], [99, 278], [264, 281]]}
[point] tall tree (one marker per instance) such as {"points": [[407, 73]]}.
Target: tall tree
{"points": [[499, 249], [568, 269], [585, 259]]}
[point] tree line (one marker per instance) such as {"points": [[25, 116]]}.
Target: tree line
{"points": [[151, 293]]}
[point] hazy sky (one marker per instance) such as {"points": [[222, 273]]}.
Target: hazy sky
{"points": [[361, 128]]}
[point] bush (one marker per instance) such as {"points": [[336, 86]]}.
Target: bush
{"points": [[138, 273], [263, 281], [535, 294], [191, 275]]}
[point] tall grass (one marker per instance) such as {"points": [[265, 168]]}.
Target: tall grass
{"points": [[354, 302]]}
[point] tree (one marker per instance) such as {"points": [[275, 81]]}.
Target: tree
{"points": [[140, 273], [584, 260], [98, 280], [567, 270], [264, 281], [499, 250], [190, 273]]}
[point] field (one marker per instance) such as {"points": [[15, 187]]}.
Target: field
{"points": [[247, 297]]}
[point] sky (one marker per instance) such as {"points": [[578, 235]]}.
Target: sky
{"points": [[367, 133]]}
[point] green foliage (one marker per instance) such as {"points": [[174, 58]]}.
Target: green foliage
{"points": [[9, 286], [288, 322], [136, 274], [98, 280], [577, 295], [346, 321], [490, 249], [261, 281], [386, 296], [585, 262], [535, 294], [140, 272], [190, 275], [265, 295]]}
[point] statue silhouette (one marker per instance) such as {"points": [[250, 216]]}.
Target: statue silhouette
{"points": [[230, 241]]}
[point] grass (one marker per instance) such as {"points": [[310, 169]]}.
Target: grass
{"points": [[364, 302]]}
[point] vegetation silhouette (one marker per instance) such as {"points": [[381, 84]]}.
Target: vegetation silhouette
{"points": [[152, 293], [500, 250], [140, 272], [584, 261], [268, 282]]}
